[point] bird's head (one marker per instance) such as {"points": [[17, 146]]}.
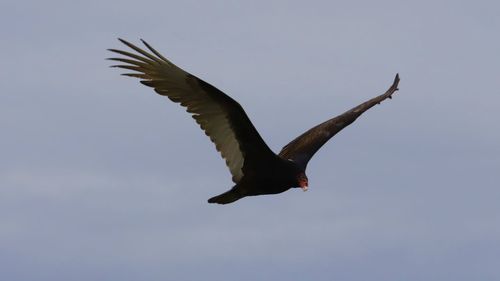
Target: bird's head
{"points": [[302, 181]]}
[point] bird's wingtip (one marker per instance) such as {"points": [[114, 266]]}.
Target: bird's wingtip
{"points": [[396, 82]]}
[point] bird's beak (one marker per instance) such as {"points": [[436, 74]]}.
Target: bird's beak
{"points": [[303, 185]]}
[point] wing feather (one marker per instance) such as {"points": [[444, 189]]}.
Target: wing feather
{"points": [[221, 118], [302, 149]]}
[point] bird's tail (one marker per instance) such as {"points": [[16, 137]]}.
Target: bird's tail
{"points": [[226, 197]]}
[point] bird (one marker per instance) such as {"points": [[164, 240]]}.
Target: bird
{"points": [[255, 168]]}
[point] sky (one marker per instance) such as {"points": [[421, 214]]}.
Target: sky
{"points": [[101, 179]]}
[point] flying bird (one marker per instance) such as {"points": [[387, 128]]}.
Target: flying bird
{"points": [[255, 168]]}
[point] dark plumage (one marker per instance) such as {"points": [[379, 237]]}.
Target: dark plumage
{"points": [[255, 169]]}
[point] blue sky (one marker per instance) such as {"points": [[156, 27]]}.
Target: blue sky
{"points": [[101, 179]]}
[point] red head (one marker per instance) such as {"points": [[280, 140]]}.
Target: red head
{"points": [[302, 181]]}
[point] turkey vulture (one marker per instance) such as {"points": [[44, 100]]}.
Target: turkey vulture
{"points": [[255, 168]]}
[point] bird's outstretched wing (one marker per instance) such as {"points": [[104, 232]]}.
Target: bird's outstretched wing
{"points": [[221, 117], [301, 149]]}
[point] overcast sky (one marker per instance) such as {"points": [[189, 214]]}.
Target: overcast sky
{"points": [[101, 179]]}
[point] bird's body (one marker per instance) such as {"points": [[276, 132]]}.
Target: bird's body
{"points": [[256, 170], [277, 177]]}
